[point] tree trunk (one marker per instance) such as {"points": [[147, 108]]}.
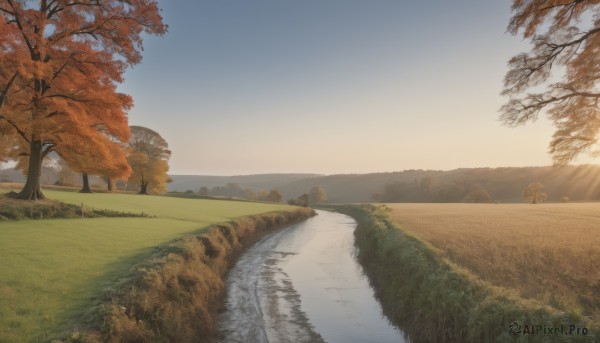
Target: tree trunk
{"points": [[86, 184], [32, 189], [109, 183], [143, 188]]}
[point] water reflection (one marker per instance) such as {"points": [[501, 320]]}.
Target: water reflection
{"points": [[303, 284]]}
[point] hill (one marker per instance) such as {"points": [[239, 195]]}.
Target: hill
{"points": [[182, 183], [578, 183]]}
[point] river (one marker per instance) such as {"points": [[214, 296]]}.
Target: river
{"points": [[303, 284]]}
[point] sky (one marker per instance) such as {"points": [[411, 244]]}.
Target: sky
{"points": [[332, 86]]}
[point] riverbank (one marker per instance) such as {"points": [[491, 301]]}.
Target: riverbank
{"points": [[55, 271], [434, 300], [304, 285], [176, 295]]}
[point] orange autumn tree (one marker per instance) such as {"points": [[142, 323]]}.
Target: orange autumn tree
{"points": [[61, 63], [560, 75], [123, 168], [8, 144], [149, 160], [109, 161]]}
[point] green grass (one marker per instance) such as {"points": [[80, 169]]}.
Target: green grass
{"points": [[52, 270]]}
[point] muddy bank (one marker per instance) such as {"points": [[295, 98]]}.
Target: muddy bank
{"points": [[262, 304], [304, 285], [177, 295]]}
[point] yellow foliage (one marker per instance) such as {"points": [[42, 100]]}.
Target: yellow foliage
{"points": [[148, 159]]}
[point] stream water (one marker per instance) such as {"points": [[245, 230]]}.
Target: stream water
{"points": [[303, 284]]}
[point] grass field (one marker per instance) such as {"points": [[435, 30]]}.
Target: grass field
{"points": [[547, 252], [52, 269]]}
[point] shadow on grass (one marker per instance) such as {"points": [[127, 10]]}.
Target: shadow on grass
{"points": [[85, 310]]}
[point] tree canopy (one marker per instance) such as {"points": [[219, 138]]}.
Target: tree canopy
{"points": [[302, 200], [316, 195], [61, 63], [478, 194], [7, 143], [564, 34], [534, 193], [148, 157], [116, 166], [274, 195]]}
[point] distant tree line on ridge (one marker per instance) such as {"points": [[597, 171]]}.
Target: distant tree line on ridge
{"points": [[234, 190], [430, 189], [314, 196]]}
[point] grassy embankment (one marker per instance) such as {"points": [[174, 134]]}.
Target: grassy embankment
{"points": [[465, 273], [54, 270]]}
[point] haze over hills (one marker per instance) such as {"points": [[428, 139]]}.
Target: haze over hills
{"points": [[182, 183], [578, 183]]}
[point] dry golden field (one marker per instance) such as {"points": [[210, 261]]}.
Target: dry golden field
{"points": [[548, 252]]}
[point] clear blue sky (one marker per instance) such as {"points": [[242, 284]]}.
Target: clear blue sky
{"points": [[332, 86]]}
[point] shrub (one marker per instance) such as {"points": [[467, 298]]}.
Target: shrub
{"points": [[12, 209]]}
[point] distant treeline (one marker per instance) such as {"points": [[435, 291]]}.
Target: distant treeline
{"points": [[429, 189], [579, 183], [313, 197], [234, 190]]}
